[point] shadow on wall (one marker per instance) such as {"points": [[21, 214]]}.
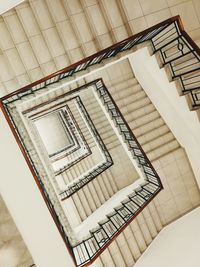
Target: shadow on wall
{"points": [[13, 252]]}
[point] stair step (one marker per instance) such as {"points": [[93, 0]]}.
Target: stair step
{"points": [[154, 134], [144, 119], [159, 141], [148, 127], [136, 105], [124, 85], [163, 150], [139, 112], [131, 99], [125, 92]]}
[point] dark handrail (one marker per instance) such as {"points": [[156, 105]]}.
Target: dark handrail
{"points": [[165, 37], [116, 222], [150, 34], [74, 66]]}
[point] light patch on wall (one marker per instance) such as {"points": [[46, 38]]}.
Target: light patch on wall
{"points": [[8, 4]]}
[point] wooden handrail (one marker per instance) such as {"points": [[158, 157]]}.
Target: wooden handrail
{"points": [[180, 30], [74, 65]]}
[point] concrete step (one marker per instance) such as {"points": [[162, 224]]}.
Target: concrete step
{"points": [[159, 141], [137, 104], [148, 127], [163, 150], [154, 134], [134, 124]]}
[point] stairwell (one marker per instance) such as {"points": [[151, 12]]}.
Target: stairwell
{"points": [[160, 146], [41, 37]]}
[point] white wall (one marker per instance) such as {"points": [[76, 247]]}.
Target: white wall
{"points": [[52, 133], [5, 5], [177, 245], [174, 109], [27, 206]]}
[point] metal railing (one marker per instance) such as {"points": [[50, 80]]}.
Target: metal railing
{"points": [[88, 249], [125, 130], [92, 60], [182, 55], [179, 52], [77, 185], [77, 135]]}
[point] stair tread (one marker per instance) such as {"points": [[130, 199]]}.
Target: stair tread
{"points": [[134, 124], [148, 127], [132, 107], [155, 133], [163, 150], [158, 142]]}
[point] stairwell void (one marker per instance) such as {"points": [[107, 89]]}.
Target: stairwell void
{"points": [[127, 139]]}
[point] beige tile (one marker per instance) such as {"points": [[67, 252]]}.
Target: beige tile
{"points": [[132, 8], [184, 165], [125, 67], [157, 17], [187, 12], [152, 6], [194, 195], [189, 179], [166, 160], [11, 241], [97, 19], [82, 27], [138, 25], [57, 11], [90, 2], [113, 13], [35, 74], [6, 39], [175, 2], [6, 72], [170, 210], [40, 49], [11, 85], [183, 203], [120, 33], [165, 195], [73, 6], [198, 42], [195, 35], [23, 80], [105, 40], [196, 4], [75, 55], [67, 34], [54, 42], [61, 61], [48, 67], [41, 12], [15, 61], [156, 165], [179, 153], [89, 48], [28, 20], [176, 185], [15, 28], [171, 170], [27, 56]]}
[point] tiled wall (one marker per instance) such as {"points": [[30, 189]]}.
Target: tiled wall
{"points": [[13, 251], [149, 12]]}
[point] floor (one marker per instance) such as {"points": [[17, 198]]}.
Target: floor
{"points": [[177, 245]]}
